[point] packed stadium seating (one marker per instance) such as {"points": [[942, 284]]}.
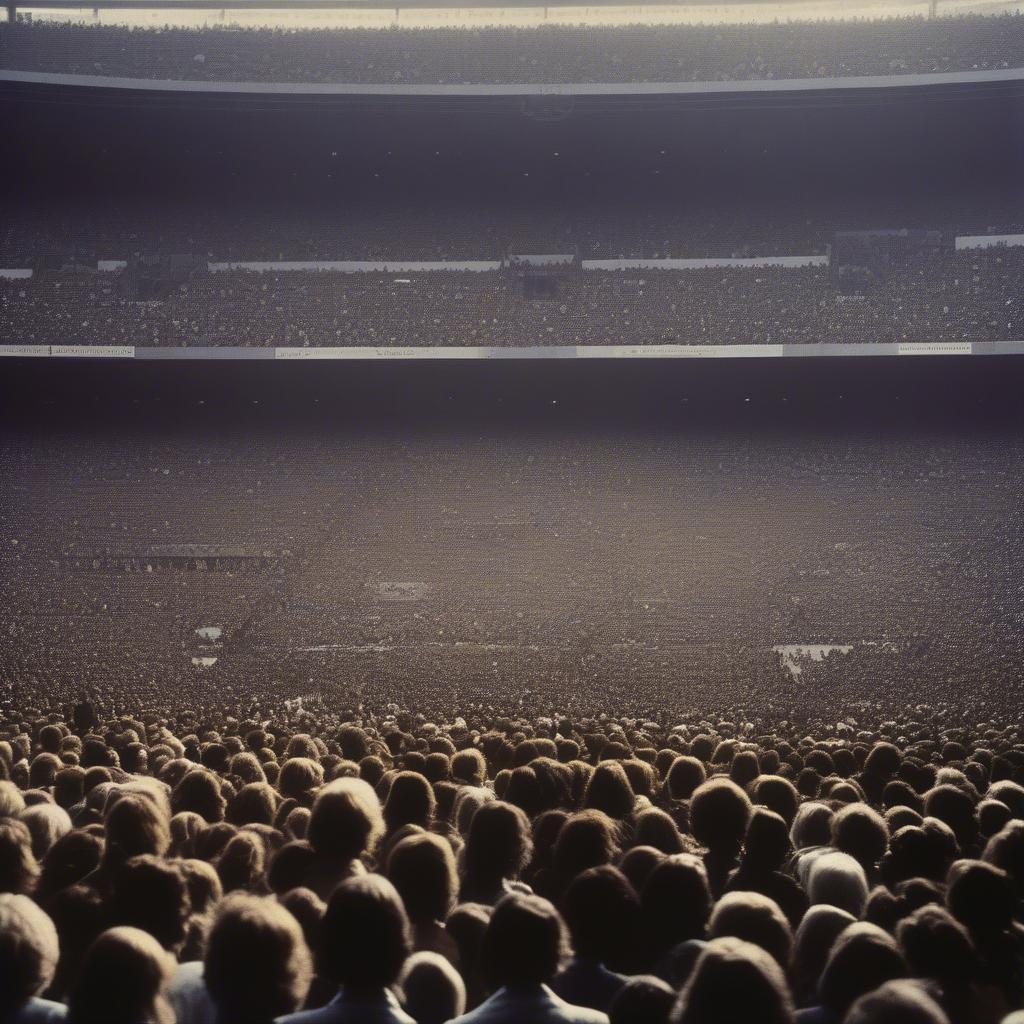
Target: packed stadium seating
{"points": [[970, 295], [550, 54]]}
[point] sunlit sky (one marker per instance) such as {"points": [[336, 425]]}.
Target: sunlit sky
{"points": [[295, 17]]}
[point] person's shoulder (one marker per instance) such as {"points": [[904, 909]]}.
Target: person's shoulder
{"points": [[321, 1015], [583, 1015], [40, 1011]]}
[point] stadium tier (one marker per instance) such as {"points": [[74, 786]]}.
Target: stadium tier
{"points": [[510, 56], [954, 296]]}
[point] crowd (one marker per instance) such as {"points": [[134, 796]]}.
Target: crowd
{"points": [[548, 54], [411, 220], [563, 777], [970, 295], [332, 868]]}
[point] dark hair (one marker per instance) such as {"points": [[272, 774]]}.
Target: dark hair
{"points": [[676, 902], [366, 934], [734, 981], [644, 999], [346, 819], [862, 958], [754, 918], [410, 801], [719, 812], [422, 869], [685, 774], [257, 965], [152, 894], [602, 911], [525, 943], [122, 979], [499, 843]]}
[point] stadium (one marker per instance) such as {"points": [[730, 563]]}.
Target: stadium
{"points": [[470, 477]]}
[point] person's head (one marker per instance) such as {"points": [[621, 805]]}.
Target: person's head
{"points": [[897, 1002], [685, 774], [655, 827], [122, 981], [980, 896], [469, 767], [346, 820], [818, 930], [861, 832], [936, 946], [366, 933], [586, 840], [199, 791], [602, 912], [838, 879], [151, 894], [19, 869], [812, 825], [410, 801], [644, 999], [767, 841], [719, 812], [434, 991], [862, 958], [257, 964], [754, 918], [254, 803], [734, 981], [47, 823], [467, 925], [240, 864], [676, 902], [526, 942], [28, 951], [778, 795], [70, 859], [609, 790], [299, 778], [422, 868], [134, 825], [499, 844]]}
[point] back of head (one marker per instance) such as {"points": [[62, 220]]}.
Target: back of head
{"points": [[602, 912], [896, 1002], [937, 946], [734, 981], [28, 951], [980, 896], [839, 880], [767, 841], [122, 979], [257, 965], [152, 894], [422, 868], [410, 801], [644, 999], [526, 942], [754, 918], [676, 902], [499, 843], [862, 958], [366, 934], [719, 812], [434, 991], [346, 819], [815, 937]]}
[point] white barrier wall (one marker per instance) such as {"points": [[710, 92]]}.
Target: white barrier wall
{"points": [[987, 241], [15, 273], [359, 266], [703, 264]]}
